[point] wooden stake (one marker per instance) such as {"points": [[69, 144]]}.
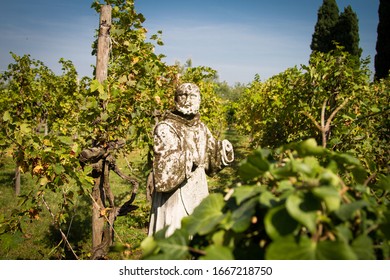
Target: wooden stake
{"points": [[98, 195], [103, 48]]}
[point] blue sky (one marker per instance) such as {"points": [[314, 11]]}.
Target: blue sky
{"points": [[237, 38]]}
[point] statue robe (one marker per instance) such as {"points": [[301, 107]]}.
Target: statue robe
{"points": [[184, 152]]}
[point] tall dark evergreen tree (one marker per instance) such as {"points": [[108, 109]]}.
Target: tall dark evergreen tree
{"points": [[327, 18], [346, 32], [382, 57]]}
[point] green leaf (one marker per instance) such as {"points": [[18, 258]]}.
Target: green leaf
{"points": [[330, 196], [363, 248], [248, 171], [385, 225], [383, 182], [347, 211], [278, 223], [259, 159], [25, 128], [347, 159], [267, 199], [309, 147], [303, 208], [175, 247], [6, 116], [307, 249], [285, 185], [359, 174], [375, 109], [255, 165], [218, 252], [284, 172], [242, 193], [344, 233], [58, 169], [219, 237], [242, 216], [334, 250], [94, 86], [149, 247], [327, 177], [288, 249], [206, 216]]}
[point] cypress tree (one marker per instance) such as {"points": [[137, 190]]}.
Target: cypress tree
{"points": [[382, 57], [346, 32], [327, 18]]}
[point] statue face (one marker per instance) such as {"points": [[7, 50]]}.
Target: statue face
{"points": [[187, 99]]}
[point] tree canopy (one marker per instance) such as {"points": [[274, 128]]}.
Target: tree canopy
{"points": [[382, 57], [333, 28]]}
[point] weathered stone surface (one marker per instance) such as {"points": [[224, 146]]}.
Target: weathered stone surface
{"points": [[185, 151]]}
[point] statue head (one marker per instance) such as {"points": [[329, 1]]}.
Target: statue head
{"points": [[187, 99]]}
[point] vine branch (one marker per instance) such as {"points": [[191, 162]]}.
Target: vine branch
{"points": [[63, 235], [324, 127]]}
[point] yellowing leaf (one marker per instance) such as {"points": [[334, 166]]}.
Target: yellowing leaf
{"points": [[25, 128], [6, 116], [38, 169]]}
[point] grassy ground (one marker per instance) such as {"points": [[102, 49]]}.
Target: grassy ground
{"points": [[41, 240]]}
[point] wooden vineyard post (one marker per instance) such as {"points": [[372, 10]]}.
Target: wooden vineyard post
{"points": [[102, 58], [103, 48], [99, 156]]}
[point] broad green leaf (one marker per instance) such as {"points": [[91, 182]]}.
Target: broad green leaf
{"points": [[111, 107], [327, 177], [206, 216], [303, 208], [359, 174], [306, 249], [346, 211], [25, 128], [330, 196], [259, 159], [344, 233], [278, 223], [334, 250], [309, 147], [375, 109], [248, 171], [385, 225], [363, 248], [174, 247], [284, 172], [242, 216], [58, 169], [289, 249], [242, 193], [267, 199], [302, 167], [255, 165], [103, 95], [285, 185], [383, 182], [218, 237], [95, 85], [346, 159], [218, 252], [91, 103]]}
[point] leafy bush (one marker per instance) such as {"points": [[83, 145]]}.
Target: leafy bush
{"points": [[301, 201], [331, 100]]}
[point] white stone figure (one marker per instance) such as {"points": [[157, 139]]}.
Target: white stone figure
{"points": [[184, 152]]}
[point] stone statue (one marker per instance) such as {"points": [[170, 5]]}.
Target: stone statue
{"points": [[184, 152]]}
